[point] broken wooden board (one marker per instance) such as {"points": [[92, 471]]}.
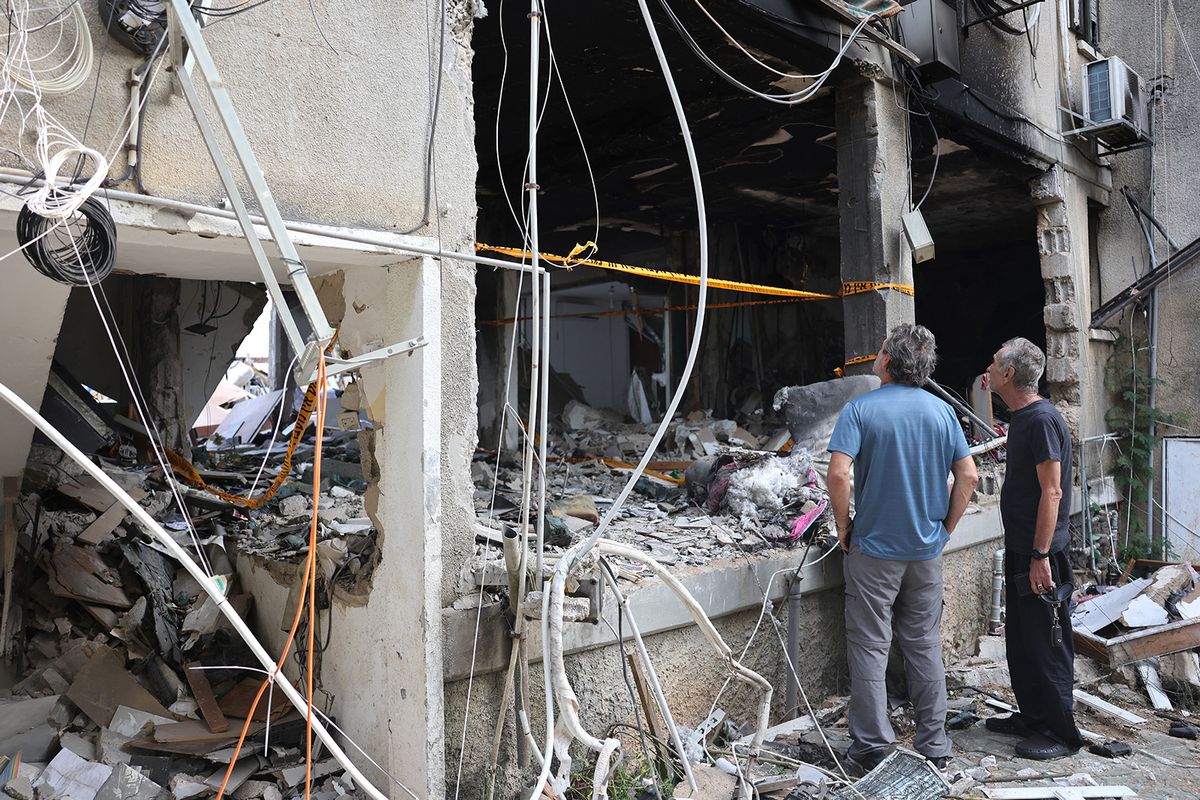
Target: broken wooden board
{"points": [[103, 684], [88, 492], [903, 775], [101, 529], [236, 702], [78, 573], [1105, 707], [202, 691], [1139, 645]]}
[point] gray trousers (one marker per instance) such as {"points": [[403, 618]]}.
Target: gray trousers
{"points": [[905, 597]]}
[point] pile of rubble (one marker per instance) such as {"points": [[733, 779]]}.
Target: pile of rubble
{"points": [[129, 682], [717, 488]]}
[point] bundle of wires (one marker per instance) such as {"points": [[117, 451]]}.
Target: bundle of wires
{"points": [[78, 250], [998, 9]]}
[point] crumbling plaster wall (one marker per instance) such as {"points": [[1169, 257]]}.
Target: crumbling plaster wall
{"points": [[340, 133], [691, 674], [1168, 169]]}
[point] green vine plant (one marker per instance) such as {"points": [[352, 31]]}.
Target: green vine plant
{"points": [[1136, 423]]}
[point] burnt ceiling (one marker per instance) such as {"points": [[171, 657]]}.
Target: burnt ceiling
{"points": [[763, 164]]}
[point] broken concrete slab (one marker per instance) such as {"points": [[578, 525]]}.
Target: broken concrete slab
{"points": [[25, 729], [131, 722], [1143, 612], [711, 784]]}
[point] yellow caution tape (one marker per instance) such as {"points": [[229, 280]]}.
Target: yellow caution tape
{"points": [[659, 274], [569, 261], [190, 474], [862, 287]]}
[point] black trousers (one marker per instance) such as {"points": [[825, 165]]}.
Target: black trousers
{"points": [[1043, 673]]}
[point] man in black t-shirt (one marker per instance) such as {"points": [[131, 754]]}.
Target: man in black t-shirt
{"points": [[1035, 504]]}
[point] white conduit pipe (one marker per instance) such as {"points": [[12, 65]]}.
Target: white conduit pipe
{"points": [[568, 721], [11, 176], [672, 407], [652, 675], [209, 586]]}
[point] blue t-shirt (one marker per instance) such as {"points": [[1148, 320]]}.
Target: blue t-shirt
{"points": [[903, 441]]}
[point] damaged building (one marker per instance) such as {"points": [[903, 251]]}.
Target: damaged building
{"points": [[465, 373]]}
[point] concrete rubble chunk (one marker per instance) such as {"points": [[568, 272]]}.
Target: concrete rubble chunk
{"points": [[128, 783], [184, 786], [25, 728], [19, 788]]}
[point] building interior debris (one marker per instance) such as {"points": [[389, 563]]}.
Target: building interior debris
{"points": [[434, 400]]}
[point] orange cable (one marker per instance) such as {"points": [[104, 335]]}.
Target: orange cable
{"points": [[310, 566], [312, 587]]}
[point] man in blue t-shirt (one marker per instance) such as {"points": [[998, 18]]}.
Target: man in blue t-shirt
{"points": [[902, 443]]}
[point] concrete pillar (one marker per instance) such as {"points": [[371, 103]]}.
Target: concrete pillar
{"points": [[159, 361], [872, 162], [1063, 249], [384, 667]]}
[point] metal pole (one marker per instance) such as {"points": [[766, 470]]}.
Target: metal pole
{"points": [[15, 178], [963, 408], [198, 50], [790, 704]]}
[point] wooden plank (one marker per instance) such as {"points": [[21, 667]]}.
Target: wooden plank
{"points": [[90, 493], [1173, 638], [103, 526], [8, 556], [203, 693], [1091, 645], [103, 683], [1105, 707], [78, 573]]}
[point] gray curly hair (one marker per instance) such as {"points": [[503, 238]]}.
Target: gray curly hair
{"points": [[913, 354], [1027, 360]]}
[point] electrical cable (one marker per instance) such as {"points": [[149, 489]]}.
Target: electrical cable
{"points": [[84, 249], [786, 98], [433, 117], [702, 225], [998, 9], [310, 566]]}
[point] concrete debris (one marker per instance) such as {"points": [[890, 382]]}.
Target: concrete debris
{"points": [[105, 624], [1147, 614]]}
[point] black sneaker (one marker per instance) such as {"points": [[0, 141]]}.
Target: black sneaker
{"points": [[1012, 725], [940, 762], [1039, 747], [857, 766]]}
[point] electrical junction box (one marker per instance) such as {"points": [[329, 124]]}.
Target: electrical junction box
{"points": [[918, 236], [1115, 104], [929, 28]]}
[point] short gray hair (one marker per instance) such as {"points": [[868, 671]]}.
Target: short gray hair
{"points": [[1027, 360], [913, 354]]}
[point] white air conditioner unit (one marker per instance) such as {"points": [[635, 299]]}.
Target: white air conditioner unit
{"points": [[1115, 104]]}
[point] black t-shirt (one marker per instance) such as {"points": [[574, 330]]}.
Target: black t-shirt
{"points": [[1037, 433]]}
